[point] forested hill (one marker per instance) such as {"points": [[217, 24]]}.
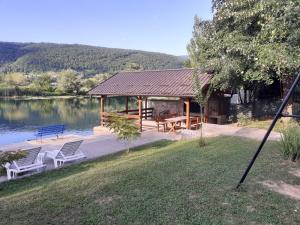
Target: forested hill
{"points": [[26, 57]]}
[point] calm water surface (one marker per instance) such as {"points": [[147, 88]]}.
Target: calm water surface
{"points": [[19, 119]]}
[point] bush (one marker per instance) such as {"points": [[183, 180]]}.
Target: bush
{"points": [[290, 143], [9, 156], [243, 120], [27, 91]]}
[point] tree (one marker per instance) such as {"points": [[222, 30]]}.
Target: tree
{"points": [[124, 128], [15, 79], [201, 98], [278, 42], [217, 3], [89, 83], [101, 77], [129, 66], [69, 82], [200, 48], [43, 82], [248, 43]]}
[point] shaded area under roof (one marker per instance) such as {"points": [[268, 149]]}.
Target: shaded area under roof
{"points": [[167, 83]]}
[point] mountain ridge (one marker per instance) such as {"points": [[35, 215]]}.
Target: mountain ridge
{"points": [[30, 56]]}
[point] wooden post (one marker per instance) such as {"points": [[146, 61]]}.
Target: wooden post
{"points": [[126, 104], [140, 101], [146, 103], [108, 105], [187, 111], [102, 102], [181, 113]]}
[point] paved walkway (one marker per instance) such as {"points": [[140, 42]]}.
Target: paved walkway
{"points": [[93, 146], [105, 143]]}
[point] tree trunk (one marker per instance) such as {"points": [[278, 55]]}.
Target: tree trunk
{"points": [[240, 96], [201, 121], [286, 85], [127, 146]]}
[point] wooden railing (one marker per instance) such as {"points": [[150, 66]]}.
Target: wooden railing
{"points": [[146, 112], [130, 114], [105, 117]]}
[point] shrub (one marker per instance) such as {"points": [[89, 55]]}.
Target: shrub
{"points": [[124, 128], [243, 120], [9, 156], [290, 142]]}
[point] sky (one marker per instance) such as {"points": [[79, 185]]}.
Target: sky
{"points": [[151, 25]]}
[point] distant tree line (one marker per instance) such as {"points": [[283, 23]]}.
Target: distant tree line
{"points": [[65, 82], [43, 57], [59, 69]]}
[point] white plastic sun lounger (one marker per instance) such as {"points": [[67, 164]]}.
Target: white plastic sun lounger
{"points": [[69, 152], [32, 161]]}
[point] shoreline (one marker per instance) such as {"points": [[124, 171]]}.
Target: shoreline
{"points": [[42, 97]]}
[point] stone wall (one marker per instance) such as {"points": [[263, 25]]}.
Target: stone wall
{"points": [[261, 109]]}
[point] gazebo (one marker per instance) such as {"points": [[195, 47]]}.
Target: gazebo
{"points": [[173, 83]]}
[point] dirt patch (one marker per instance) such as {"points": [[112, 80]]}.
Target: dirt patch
{"points": [[107, 199], [295, 173], [292, 191], [226, 204], [250, 208], [194, 195]]}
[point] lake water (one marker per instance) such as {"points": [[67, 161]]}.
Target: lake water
{"points": [[19, 119]]}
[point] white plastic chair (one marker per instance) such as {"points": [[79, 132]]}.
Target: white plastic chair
{"points": [[69, 152], [32, 161]]}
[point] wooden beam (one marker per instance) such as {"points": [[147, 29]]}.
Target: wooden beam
{"points": [[102, 102], [140, 102], [187, 112], [126, 104]]}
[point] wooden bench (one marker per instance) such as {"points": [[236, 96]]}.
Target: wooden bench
{"points": [[50, 130], [161, 119], [196, 123], [161, 122]]}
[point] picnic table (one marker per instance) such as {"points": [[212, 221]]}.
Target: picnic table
{"points": [[175, 122]]}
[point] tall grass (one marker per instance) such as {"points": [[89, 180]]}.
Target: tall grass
{"points": [[243, 120], [290, 142]]}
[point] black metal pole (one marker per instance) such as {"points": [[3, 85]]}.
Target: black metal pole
{"points": [[291, 116], [277, 116]]}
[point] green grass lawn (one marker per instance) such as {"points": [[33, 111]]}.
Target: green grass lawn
{"points": [[265, 124], [162, 183]]}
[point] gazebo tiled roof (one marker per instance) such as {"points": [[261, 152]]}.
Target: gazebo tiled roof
{"points": [[163, 83]]}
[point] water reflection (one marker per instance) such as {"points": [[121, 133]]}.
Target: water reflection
{"points": [[20, 118]]}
